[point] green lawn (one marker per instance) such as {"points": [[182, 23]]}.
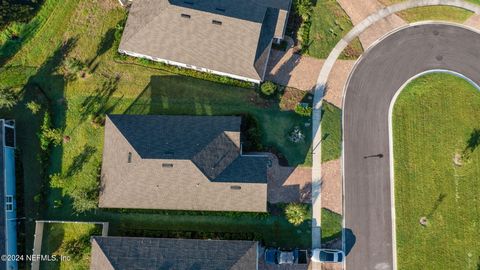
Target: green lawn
{"points": [[331, 225], [68, 240], [438, 13], [442, 13], [329, 24], [331, 132], [437, 171], [84, 30]]}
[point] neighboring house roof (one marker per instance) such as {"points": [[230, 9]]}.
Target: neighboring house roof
{"points": [[119, 253], [239, 46], [8, 218], [180, 163]]}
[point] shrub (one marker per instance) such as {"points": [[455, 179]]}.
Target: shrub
{"points": [[34, 107], [303, 110], [73, 68], [268, 88], [8, 99], [77, 248], [296, 135], [304, 9], [296, 213], [49, 135]]}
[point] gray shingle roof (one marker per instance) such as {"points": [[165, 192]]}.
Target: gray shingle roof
{"points": [[121, 253], [180, 163], [157, 28]]}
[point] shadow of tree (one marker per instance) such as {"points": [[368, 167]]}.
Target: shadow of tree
{"points": [[437, 203], [473, 142], [78, 162], [98, 104]]}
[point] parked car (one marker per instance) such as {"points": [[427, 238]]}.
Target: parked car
{"points": [[271, 256], [302, 256], [287, 257], [327, 255], [277, 256]]}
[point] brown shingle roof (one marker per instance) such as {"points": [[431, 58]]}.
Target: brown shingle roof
{"points": [[119, 253], [180, 163], [158, 29]]}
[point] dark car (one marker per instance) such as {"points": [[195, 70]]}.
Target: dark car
{"points": [[277, 256], [271, 256]]}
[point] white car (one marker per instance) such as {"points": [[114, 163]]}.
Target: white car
{"points": [[327, 255]]}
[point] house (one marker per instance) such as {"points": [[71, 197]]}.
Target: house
{"points": [[225, 37], [180, 163], [119, 253], [8, 218]]}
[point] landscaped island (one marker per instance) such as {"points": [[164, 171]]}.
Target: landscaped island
{"points": [[436, 131]]}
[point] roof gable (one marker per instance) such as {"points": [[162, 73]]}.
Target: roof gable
{"points": [[179, 254], [173, 137]]}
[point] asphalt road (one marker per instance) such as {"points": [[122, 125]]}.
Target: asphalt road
{"points": [[372, 86]]}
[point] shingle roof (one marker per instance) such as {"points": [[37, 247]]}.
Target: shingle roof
{"points": [[158, 29], [180, 162], [121, 253]]}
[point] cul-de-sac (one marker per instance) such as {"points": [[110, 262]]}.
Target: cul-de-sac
{"points": [[240, 134]]}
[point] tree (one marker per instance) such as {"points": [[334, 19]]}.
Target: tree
{"points": [[296, 213], [34, 107], [8, 99], [268, 88]]}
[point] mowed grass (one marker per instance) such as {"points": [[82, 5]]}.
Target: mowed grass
{"points": [[331, 132], [435, 118], [437, 13], [58, 240], [84, 30], [440, 13], [329, 24], [331, 225]]}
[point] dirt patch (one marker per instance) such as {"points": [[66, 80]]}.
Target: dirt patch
{"points": [[291, 97]]}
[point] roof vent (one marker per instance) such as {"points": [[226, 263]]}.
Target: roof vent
{"points": [[167, 165], [129, 157], [217, 22], [235, 187], [186, 16]]}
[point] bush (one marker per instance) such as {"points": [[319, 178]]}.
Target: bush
{"points": [[77, 248], [303, 110], [49, 135], [268, 88], [34, 107], [8, 99], [73, 68], [296, 213], [304, 9]]}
